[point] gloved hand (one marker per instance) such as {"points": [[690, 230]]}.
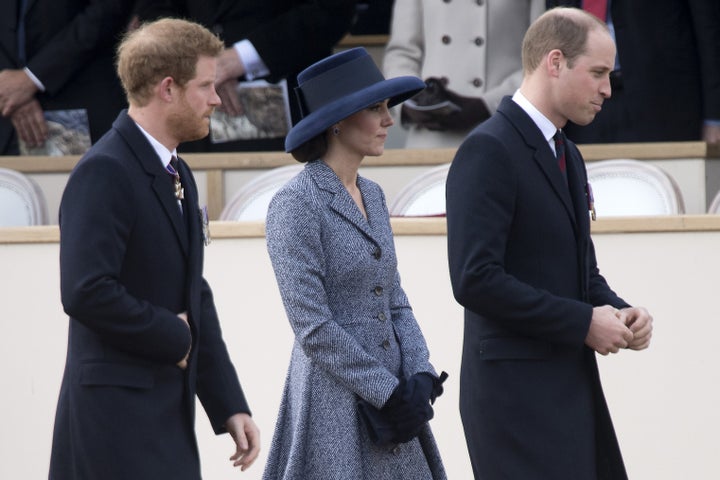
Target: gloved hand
{"points": [[437, 388], [407, 409], [438, 108]]}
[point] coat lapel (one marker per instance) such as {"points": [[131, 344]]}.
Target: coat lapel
{"points": [[148, 159], [543, 156], [341, 201], [549, 165], [577, 185]]}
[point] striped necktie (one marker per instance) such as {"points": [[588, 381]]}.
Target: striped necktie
{"points": [[172, 169]]}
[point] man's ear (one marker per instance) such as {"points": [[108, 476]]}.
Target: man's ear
{"points": [[554, 61], [166, 89]]}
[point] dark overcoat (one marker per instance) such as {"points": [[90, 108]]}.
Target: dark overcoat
{"points": [[130, 261], [523, 265]]}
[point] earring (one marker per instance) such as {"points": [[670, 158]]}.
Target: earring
{"points": [[336, 131]]}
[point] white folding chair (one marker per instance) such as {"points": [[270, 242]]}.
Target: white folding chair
{"points": [[424, 196], [22, 202], [625, 187], [714, 208], [252, 200]]}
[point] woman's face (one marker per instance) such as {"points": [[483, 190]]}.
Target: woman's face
{"points": [[365, 132]]}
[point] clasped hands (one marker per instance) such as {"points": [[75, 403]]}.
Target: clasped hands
{"points": [[409, 406], [229, 69], [612, 329], [454, 112], [18, 103]]}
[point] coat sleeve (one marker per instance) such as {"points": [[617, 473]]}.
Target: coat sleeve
{"points": [[218, 387], [405, 49], [294, 240], [93, 30], [300, 35], [96, 219], [414, 350]]}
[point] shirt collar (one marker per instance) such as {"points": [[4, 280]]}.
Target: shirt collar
{"points": [[543, 123], [162, 152]]}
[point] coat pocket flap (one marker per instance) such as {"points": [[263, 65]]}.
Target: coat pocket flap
{"points": [[116, 374], [513, 349]]}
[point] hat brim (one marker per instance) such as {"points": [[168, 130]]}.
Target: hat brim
{"points": [[396, 90]]}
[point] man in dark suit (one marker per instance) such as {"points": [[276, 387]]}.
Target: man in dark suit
{"points": [[264, 39], [144, 336], [523, 265], [666, 83], [63, 61]]}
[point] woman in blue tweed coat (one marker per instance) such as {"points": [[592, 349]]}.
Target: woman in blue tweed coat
{"points": [[331, 246]]}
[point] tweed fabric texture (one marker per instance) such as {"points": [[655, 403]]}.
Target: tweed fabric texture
{"points": [[355, 333]]}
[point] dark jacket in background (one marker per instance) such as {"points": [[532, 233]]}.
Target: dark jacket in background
{"points": [[70, 47], [669, 53]]}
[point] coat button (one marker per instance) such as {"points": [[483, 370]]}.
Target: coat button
{"points": [[378, 291], [479, 41], [396, 450], [446, 39], [480, 2], [381, 316], [477, 82], [386, 344], [377, 253]]}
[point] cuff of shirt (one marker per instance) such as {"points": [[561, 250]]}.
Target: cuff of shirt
{"points": [[34, 79], [254, 66]]}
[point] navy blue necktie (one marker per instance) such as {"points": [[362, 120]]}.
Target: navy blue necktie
{"points": [[560, 152]]}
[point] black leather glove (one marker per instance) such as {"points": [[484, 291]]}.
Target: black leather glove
{"points": [[441, 109]]}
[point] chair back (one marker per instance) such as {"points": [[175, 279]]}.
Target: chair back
{"points": [[626, 187], [424, 196], [251, 201], [714, 208], [22, 202]]}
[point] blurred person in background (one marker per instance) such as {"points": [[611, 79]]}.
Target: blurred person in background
{"points": [[271, 40], [58, 55], [666, 78], [467, 51]]}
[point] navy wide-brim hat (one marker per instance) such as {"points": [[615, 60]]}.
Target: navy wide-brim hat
{"points": [[338, 86]]}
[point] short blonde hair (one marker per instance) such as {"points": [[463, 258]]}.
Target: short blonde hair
{"points": [[169, 47], [562, 28]]}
